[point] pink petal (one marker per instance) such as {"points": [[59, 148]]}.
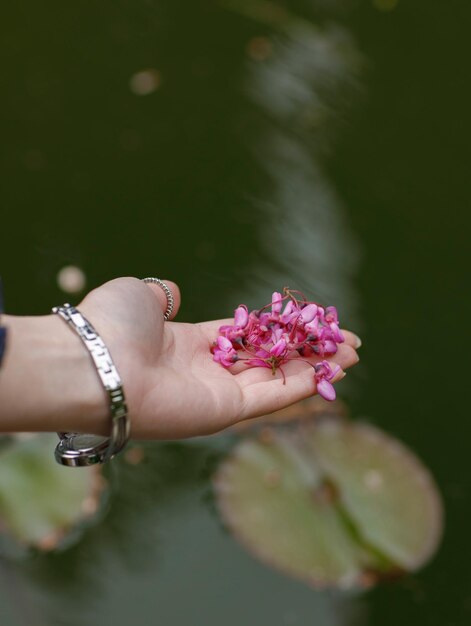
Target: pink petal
{"points": [[330, 347], [276, 334], [331, 314], [313, 327], [334, 371], [326, 390], [288, 308], [263, 353], [224, 344], [324, 368], [276, 300], [336, 332], [224, 329], [308, 313], [224, 358], [241, 316], [278, 348]]}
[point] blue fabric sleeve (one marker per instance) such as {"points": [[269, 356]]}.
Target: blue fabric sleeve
{"points": [[3, 331]]}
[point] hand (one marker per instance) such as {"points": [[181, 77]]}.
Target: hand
{"points": [[173, 387]]}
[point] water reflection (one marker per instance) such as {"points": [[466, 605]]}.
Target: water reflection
{"points": [[300, 83]]}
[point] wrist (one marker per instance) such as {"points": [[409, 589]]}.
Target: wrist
{"points": [[47, 366]]}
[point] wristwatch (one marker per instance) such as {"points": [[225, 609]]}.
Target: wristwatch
{"points": [[78, 449]]}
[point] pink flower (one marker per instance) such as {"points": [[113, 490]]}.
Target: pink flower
{"points": [[279, 348], [241, 316], [241, 319], [270, 337], [262, 359], [276, 300], [326, 341], [331, 318], [323, 375], [308, 313], [290, 313], [224, 353], [257, 332], [312, 329]]}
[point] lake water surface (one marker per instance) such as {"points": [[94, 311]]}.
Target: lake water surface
{"points": [[236, 148]]}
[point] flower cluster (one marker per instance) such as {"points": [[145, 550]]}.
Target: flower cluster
{"points": [[290, 327]]}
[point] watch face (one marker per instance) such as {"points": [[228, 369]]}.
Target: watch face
{"points": [[85, 443], [77, 450]]}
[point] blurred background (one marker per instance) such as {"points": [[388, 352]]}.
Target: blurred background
{"points": [[237, 146]]}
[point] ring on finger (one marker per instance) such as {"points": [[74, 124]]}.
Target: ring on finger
{"points": [[168, 293]]}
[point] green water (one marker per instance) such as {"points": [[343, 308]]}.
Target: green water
{"points": [[338, 164]]}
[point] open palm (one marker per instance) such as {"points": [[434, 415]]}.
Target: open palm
{"points": [[173, 387]]}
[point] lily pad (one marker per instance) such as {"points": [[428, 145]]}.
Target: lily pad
{"points": [[334, 503], [388, 493], [41, 502]]}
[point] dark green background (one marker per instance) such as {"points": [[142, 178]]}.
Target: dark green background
{"points": [[339, 165]]}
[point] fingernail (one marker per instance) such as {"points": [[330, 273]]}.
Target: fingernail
{"points": [[339, 375], [357, 341]]}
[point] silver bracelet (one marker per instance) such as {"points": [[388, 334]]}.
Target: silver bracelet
{"points": [[77, 449]]}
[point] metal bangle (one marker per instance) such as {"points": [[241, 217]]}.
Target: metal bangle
{"points": [[77, 449]]}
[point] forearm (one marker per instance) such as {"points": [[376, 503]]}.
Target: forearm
{"points": [[48, 381]]}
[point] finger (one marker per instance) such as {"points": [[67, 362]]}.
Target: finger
{"points": [[162, 296], [351, 339], [273, 394], [345, 356], [248, 375]]}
